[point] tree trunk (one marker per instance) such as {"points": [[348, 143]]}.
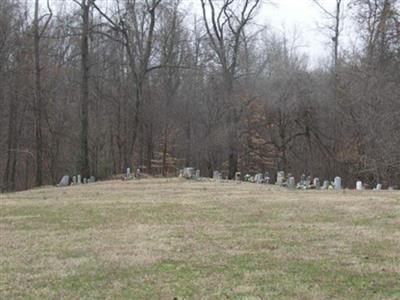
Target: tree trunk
{"points": [[84, 159], [8, 180], [38, 99], [165, 148]]}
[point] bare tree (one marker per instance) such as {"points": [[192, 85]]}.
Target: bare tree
{"points": [[224, 26], [135, 30], [39, 104]]}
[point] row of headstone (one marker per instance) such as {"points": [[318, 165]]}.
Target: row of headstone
{"points": [[360, 186], [306, 182], [258, 178], [129, 176], [66, 180], [189, 173]]}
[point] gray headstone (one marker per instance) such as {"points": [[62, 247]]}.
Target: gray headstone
{"points": [[307, 183], [217, 175], [79, 179], [258, 178], [378, 187], [303, 180], [316, 183], [74, 181], [237, 176], [198, 173], [266, 177], [64, 181], [128, 172], [291, 182], [337, 183]]}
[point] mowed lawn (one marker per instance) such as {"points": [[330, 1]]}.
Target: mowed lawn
{"points": [[167, 238]]}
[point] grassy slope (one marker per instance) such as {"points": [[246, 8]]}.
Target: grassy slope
{"points": [[173, 238]]}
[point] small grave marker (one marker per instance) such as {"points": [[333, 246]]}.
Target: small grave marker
{"points": [[337, 183], [64, 181]]}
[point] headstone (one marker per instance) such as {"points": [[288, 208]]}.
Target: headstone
{"points": [[217, 175], [64, 181], [303, 180], [180, 173], [247, 177], [307, 183], [337, 183], [85, 180], [280, 177], [237, 176], [188, 173], [291, 182], [79, 179], [91, 179], [325, 185], [359, 185], [74, 181], [266, 177], [378, 187], [316, 183], [128, 172], [258, 178], [138, 173], [197, 173]]}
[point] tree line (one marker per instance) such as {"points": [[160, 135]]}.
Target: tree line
{"points": [[94, 87]]}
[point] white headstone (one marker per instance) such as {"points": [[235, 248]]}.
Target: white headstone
{"points": [[188, 172], [74, 179], [325, 185], [291, 182], [128, 172], [198, 173], [378, 187], [337, 183], [79, 179], [359, 185]]}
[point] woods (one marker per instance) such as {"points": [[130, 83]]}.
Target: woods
{"points": [[94, 87]]}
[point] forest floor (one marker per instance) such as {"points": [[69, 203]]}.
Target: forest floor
{"points": [[166, 238]]}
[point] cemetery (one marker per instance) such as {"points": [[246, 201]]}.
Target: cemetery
{"points": [[195, 237]]}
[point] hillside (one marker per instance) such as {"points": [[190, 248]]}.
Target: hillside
{"points": [[166, 238]]}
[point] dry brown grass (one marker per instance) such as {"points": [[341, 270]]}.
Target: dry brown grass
{"points": [[165, 238]]}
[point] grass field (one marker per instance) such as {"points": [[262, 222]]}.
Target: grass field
{"points": [[166, 238]]}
